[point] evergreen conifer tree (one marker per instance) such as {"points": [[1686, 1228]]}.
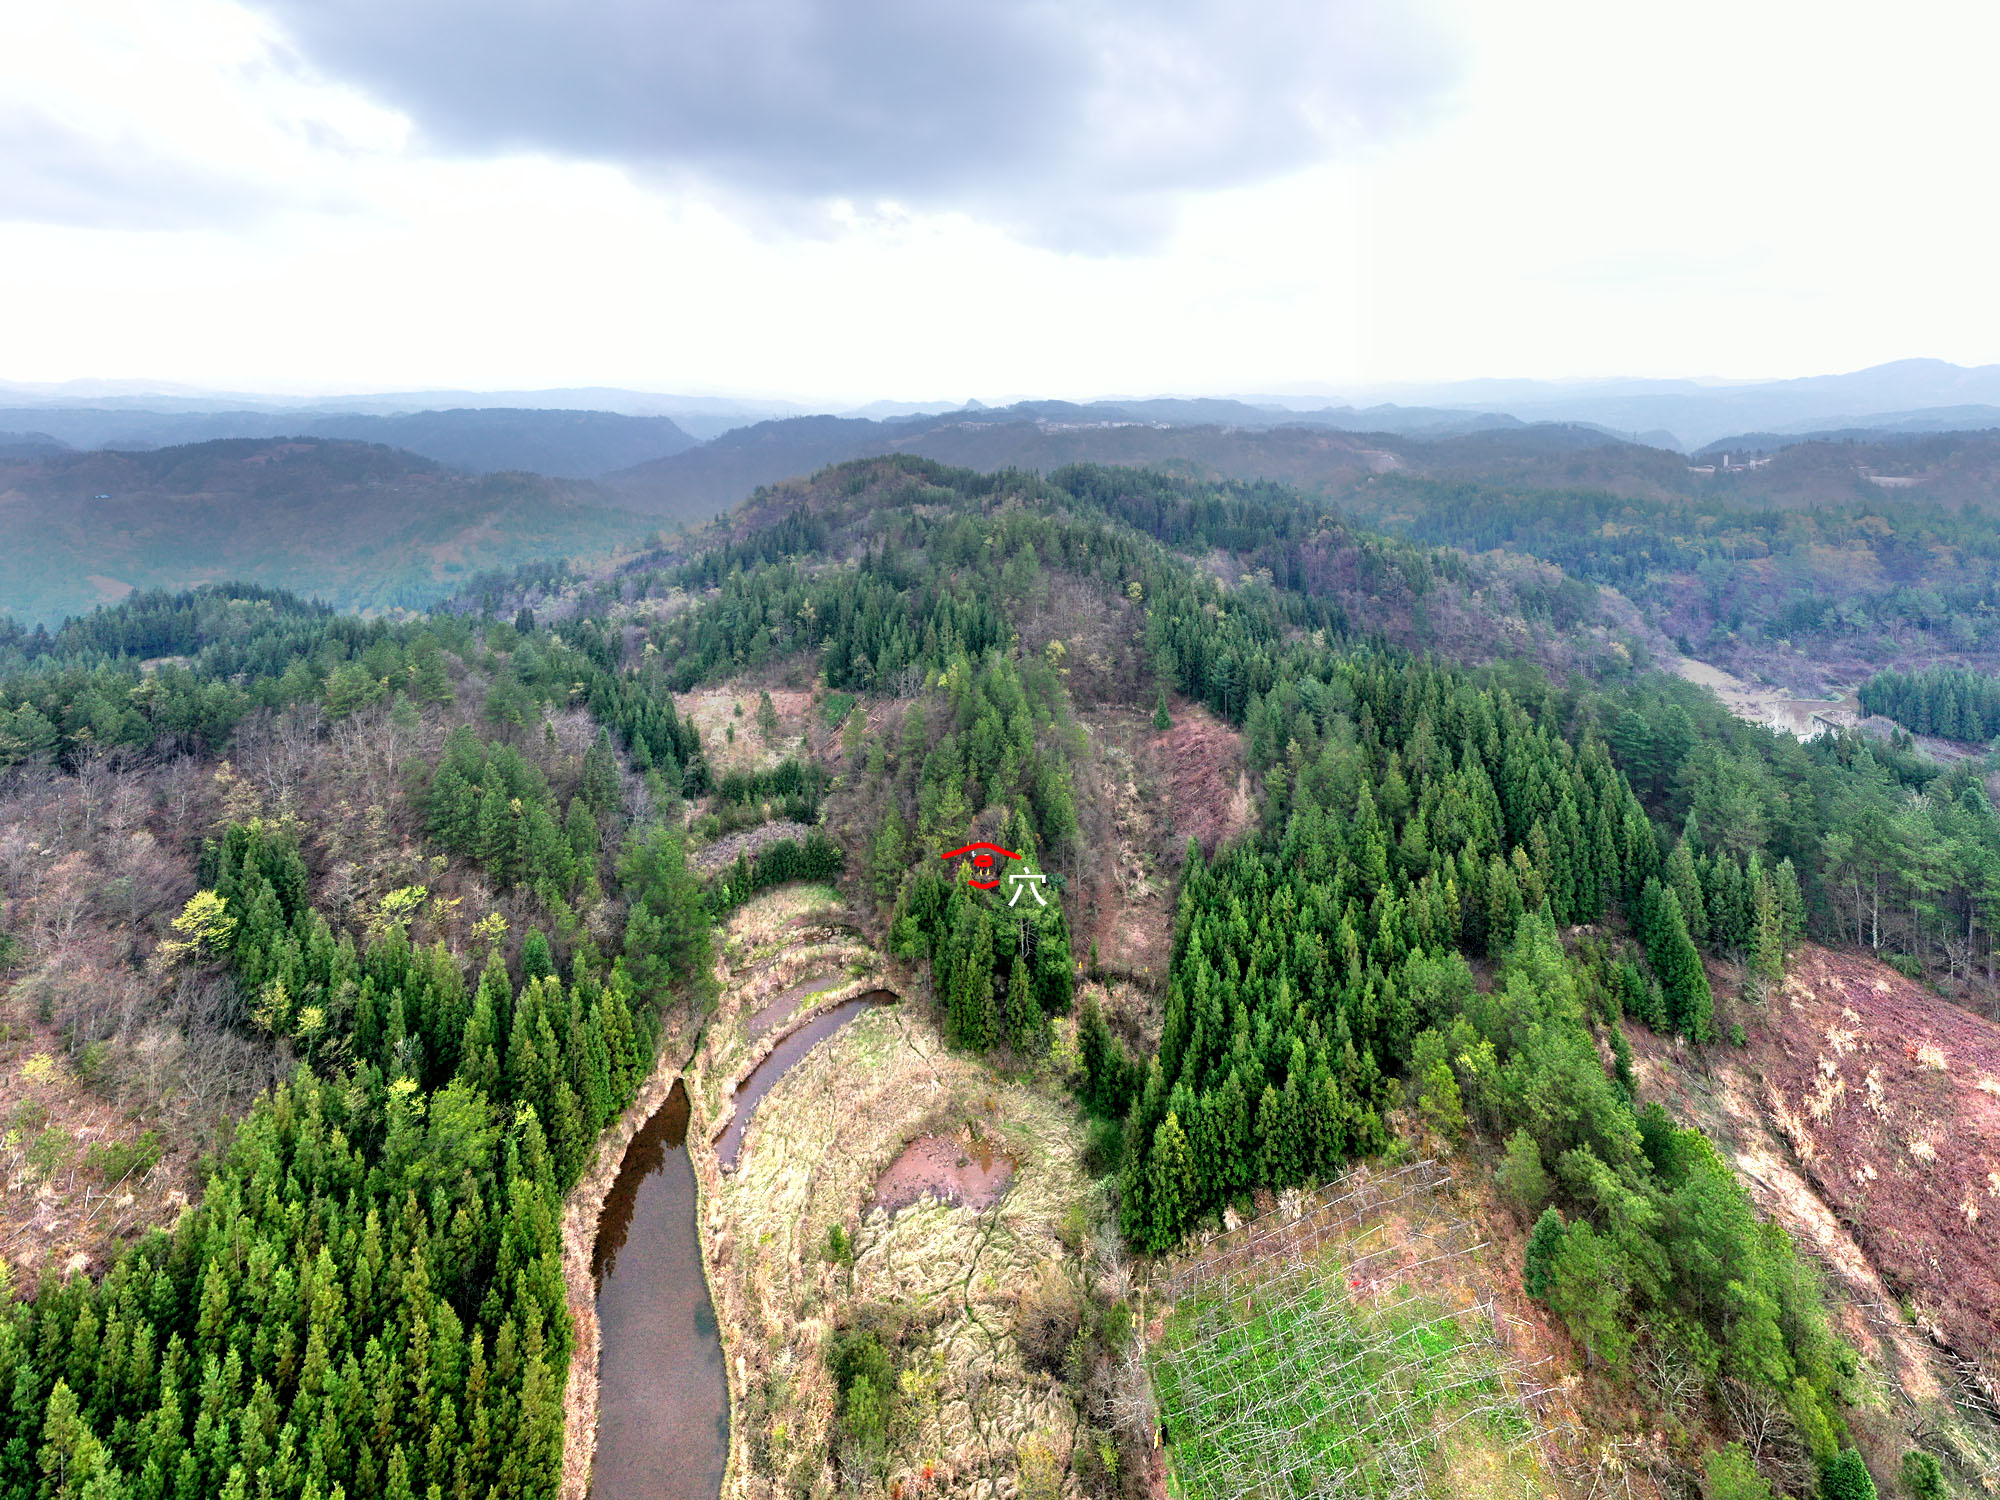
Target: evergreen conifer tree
{"points": [[1791, 903], [1680, 875], [1024, 1016], [1171, 1188], [1690, 1004], [1846, 1478], [536, 960], [1544, 1240]]}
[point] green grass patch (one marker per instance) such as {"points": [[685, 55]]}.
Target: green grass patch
{"points": [[1298, 1385]]}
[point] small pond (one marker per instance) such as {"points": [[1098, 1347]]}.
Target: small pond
{"points": [[662, 1395]]}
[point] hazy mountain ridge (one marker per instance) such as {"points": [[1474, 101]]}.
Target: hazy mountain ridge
{"points": [[1032, 435], [561, 444], [183, 514], [1683, 412], [633, 438], [1699, 414], [362, 526]]}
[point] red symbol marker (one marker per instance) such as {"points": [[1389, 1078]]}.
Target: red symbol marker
{"points": [[983, 864]]}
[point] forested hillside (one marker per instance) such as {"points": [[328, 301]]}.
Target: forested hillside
{"points": [[1810, 597], [1812, 570], [435, 881], [363, 527], [366, 1296]]}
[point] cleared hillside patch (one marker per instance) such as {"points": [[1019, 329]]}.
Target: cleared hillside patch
{"points": [[1875, 1081]]}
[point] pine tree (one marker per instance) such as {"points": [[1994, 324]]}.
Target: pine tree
{"points": [[1171, 1189], [536, 960], [1728, 903], [1504, 906], [1690, 1004], [600, 789], [1791, 904], [1686, 885], [453, 809], [1524, 1182], [493, 844], [971, 1006], [580, 830], [1024, 1016], [1923, 1476], [1537, 1268], [498, 994], [668, 931], [1110, 1076], [1767, 944], [430, 682], [1587, 1285], [889, 860], [1727, 1473], [1162, 720], [1846, 1478]]}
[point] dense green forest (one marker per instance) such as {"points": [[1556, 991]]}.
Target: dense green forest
{"points": [[1947, 701], [367, 1299], [1887, 849], [1459, 880], [1411, 813]]}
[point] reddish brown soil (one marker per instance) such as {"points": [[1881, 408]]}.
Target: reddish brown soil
{"points": [[950, 1170], [1877, 1085], [1201, 759], [1140, 802]]}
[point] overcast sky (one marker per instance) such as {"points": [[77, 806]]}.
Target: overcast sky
{"points": [[843, 200]]}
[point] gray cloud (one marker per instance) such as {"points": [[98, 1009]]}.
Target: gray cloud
{"points": [[1075, 122]]}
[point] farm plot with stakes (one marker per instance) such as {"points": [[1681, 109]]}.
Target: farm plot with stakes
{"points": [[1340, 1346]]}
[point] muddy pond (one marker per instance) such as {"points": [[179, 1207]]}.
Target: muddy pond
{"points": [[662, 1392], [780, 1060], [662, 1396]]}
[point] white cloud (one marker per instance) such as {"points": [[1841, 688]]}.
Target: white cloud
{"points": [[1757, 190]]}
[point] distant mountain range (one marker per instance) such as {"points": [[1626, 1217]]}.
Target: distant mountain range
{"points": [[360, 526], [376, 505], [368, 526], [559, 444], [704, 481], [1698, 414], [582, 432]]}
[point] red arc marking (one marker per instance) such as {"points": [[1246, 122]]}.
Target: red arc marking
{"points": [[982, 861]]}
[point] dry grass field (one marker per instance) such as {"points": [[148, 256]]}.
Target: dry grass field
{"points": [[949, 1277]]}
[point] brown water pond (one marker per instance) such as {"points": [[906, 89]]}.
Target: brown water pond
{"points": [[780, 1060], [662, 1395]]}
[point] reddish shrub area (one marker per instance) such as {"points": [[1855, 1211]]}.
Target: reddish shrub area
{"points": [[1202, 760], [1877, 1083]]}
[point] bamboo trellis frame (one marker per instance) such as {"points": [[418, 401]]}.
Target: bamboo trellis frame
{"points": [[1298, 1373]]}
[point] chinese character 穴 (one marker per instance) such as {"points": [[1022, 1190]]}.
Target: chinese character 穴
{"points": [[1029, 880]]}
